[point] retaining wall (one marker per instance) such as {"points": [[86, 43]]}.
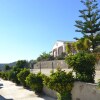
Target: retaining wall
{"points": [[55, 64], [51, 64], [80, 91]]}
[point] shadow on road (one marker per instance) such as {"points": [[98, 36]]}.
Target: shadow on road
{"points": [[1, 86], [2, 98], [45, 97]]}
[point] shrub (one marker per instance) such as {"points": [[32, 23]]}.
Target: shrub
{"points": [[35, 82], [61, 82], [45, 57], [84, 66], [64, 96], [61, 57], [7, 67], [12, 75], [3, 75], [22, 64], [22, 76]]}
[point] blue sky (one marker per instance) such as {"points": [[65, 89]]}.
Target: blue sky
{"points": [[30, 27]]}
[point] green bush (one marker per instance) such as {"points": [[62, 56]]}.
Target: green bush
{"points": [[35, 82], [45, 57], [12, 75], [7, 67], [22, 76], [64, 96], [3, 75], [22, 64], [84, 66], [61, 82], [61, 57]]}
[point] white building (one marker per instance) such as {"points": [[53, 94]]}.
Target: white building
{"points": [[59, 47]]}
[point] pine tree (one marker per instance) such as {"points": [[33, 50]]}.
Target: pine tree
{"points": [[90, 23]]}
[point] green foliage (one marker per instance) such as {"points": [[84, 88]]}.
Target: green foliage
{"points": [[64, 96], [22, 64], [90, 23], [3, 75], [60, 81], [22, 76], [61, 57], [7, 67], [68, 48], [45, 57], [79, 45], [87, 44], [35, 82], [12, 75], [83, 44], [84, 66]]}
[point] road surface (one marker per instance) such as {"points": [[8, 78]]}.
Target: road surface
{"points": [[9, 91]]}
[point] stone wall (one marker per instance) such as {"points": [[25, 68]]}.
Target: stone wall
{"points": [[51, 64], [80, 91], [56, 63]]}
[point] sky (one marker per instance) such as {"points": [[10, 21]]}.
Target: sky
{"points": [[30, 27]]}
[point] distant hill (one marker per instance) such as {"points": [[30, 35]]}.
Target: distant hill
{"points": [[10, 64]]}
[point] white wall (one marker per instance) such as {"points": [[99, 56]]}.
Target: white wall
{"points": [[80, 91], [57, 45], [85, 91]]}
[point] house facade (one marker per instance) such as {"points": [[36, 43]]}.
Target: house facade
{"points": [[60, 47]]}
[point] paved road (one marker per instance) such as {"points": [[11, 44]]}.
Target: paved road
{"points": [[9, 91], [47, 72]]}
